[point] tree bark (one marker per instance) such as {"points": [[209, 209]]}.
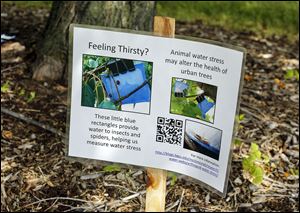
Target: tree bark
{"points": [[51, 61]]}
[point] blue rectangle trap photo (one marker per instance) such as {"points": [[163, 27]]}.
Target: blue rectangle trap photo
{"points": [[113, 83], [121, 85]]}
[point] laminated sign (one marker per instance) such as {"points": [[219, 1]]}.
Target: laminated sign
{"points": [[167, 103]]}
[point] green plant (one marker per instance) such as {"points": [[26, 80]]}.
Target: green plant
{"points": [[5, 87], [294, 171], [112, 168], [238, 119], [31, 96], [292, 74], [253, 165], [237, 142], [22, 92], [241, 117], [173, 177]]}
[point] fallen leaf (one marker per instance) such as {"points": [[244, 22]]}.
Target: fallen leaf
{"points": [[248, 77], [279, 83], [286, 174], [7, 134]]}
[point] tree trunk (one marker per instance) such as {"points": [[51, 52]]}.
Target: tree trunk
{"points": [[51, 61]]}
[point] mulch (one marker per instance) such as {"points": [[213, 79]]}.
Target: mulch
{"points": [[36, 174]]}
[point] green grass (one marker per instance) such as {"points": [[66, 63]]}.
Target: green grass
{"points": [[280, 17], [30, 4]]}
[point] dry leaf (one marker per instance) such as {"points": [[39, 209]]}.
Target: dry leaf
{"points": [[7, 134], [279, 83], [248, 77]]}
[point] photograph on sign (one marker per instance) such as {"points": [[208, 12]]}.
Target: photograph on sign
{"points": [[202, 139], [151, 101], [117, 84], [193, 99]]}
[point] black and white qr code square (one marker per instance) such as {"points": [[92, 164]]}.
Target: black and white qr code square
{"points": [[169, 130]]}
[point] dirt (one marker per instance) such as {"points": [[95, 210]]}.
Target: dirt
{"points": [[36, 175]]}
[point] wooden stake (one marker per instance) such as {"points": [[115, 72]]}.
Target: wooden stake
{"points": [[164, 26], [157, 178]]}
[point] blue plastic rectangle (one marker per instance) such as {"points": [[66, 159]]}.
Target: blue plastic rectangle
{"points": [[122, 84]]}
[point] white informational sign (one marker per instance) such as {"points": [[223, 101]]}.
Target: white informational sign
{"points": [[152, 101]]}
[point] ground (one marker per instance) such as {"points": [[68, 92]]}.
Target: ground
{"points": [[36, 174]]}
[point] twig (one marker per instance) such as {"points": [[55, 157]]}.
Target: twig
{"points": [[91, 176], [57, 198], [244, 105], [99, 80], [94, 70], [139, 172], [191, 96], [281, 184], [31, 121], [9, 68], [280, 195], [3, 191], [133, 196], [51, 205], [172, 206], [125, 199], [250, 113], [71, 208], [272, 138], [133, 91], [180, 201], [137, 194], [4, 141], [97, 206], [118, 186]]}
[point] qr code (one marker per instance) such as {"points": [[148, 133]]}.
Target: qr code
{"points": [[169, 130]]}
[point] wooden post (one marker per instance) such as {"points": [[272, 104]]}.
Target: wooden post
{"points": [[157, 178]]}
